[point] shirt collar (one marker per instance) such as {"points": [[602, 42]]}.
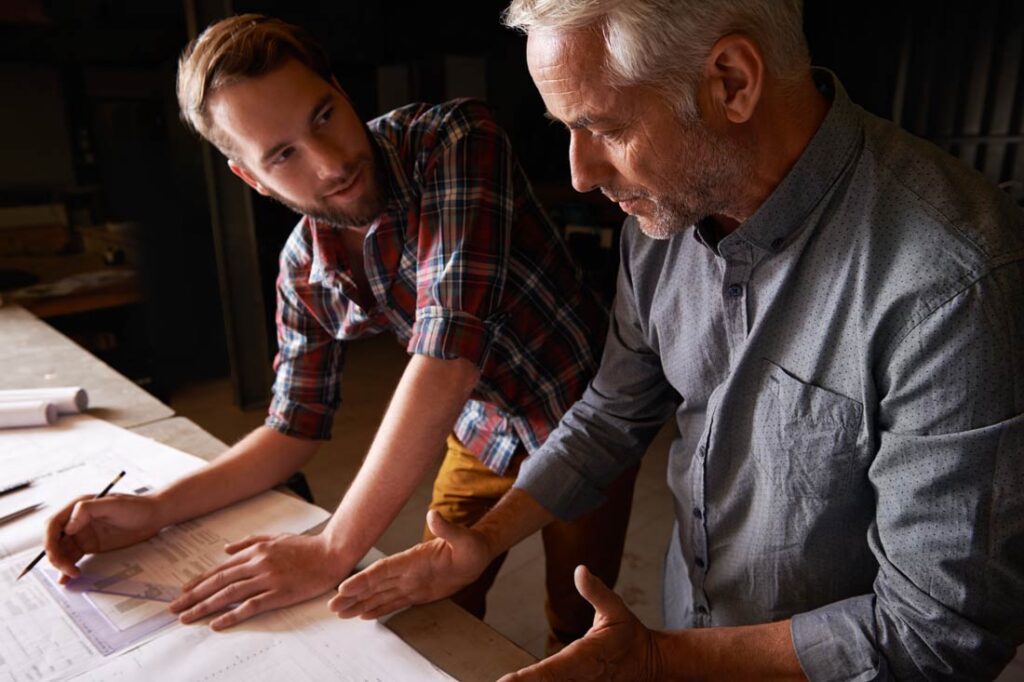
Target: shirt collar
{"points": [[826, 156]]}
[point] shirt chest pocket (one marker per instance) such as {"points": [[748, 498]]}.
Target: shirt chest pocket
{"points": [[804, 438]]}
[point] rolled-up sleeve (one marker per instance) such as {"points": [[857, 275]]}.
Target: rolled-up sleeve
{"points": [[948, 535], [463, 239]]}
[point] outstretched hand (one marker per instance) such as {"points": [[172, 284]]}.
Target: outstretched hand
{"points": [[264, 572], [617, 646], [427, 572]]}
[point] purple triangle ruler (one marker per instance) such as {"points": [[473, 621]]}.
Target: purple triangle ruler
{"points": [[103, 634]]}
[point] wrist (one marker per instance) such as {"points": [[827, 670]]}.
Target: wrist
{"points": [[339, 550], [162, 510], [671, 659], [490, 537]]}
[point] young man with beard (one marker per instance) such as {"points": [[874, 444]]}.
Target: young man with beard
{"points": [[420, 223], [834, 312]]}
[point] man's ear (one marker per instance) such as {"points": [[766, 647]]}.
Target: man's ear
{"points": [[247, 177], [734, 72]]}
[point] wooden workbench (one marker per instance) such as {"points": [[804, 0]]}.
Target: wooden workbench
{"points": [[34, 355]]}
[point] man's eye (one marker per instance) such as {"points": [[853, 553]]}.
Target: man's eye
{"points": [[283, 156], [325, 116], [608, 134]]}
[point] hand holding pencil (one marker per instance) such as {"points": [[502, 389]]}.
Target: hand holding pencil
{"points": [[97, 523]]}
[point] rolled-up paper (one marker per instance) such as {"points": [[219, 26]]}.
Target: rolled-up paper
{"points": [[27, 413], [68, 399]]}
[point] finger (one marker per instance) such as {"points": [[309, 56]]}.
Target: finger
{"points": [[537, 672], [81, 514], [195, 581], [64, 579], [225, 575], [236, 593], [357, 607], [246, 542], [574, 662], [71, 552], [605, 602], [443, 528], [380, 575], [250, 607], [387, 607], [341, 605], [52, 538], [246, 610]]}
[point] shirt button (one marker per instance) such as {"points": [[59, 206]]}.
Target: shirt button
{"points": [[734, 290], [702, 610], [777, 244], [697, 513], [699, 562]]}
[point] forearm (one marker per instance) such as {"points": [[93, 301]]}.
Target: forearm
{"points": [[261, 460], [429, 398], [749, 652]]}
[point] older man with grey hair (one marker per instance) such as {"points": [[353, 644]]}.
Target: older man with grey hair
{"points": [[833, 311]]}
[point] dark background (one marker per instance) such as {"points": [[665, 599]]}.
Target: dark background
{"points": [[89, 120]]}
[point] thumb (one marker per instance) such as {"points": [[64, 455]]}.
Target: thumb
{"points": [[605, 602], [443, 528]]}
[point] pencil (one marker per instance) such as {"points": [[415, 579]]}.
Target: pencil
{"points": [[39, 558], [15, 487], [14, 516]]}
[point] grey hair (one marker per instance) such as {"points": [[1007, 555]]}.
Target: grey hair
{"points": [[663, 43]]}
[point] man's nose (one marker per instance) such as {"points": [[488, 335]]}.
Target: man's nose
{"points": [[590, 169], [327, 159]]}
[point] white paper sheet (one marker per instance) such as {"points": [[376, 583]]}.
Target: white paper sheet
{"points": [[38, 639], [304, 642]]}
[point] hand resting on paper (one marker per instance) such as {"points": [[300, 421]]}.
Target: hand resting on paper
{"points": [[99, 525], [264, 572], [427, 572]]}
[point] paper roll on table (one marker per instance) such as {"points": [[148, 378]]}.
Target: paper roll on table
{"points": [[68, 399], [27, 413]]}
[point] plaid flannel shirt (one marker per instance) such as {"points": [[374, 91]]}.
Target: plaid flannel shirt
{"points": [[462, 263]]}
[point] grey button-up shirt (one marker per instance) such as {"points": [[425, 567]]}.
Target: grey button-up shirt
{"points": [[847, 373]]}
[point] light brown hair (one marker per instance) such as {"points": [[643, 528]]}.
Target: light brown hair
{"points": [[231, 50]]}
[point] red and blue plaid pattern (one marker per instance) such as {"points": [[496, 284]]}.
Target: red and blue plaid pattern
{"points": [[463, 263]]}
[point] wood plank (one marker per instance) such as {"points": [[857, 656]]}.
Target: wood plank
{"points": [[35, 355], [462, 646], [185, 435]]}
